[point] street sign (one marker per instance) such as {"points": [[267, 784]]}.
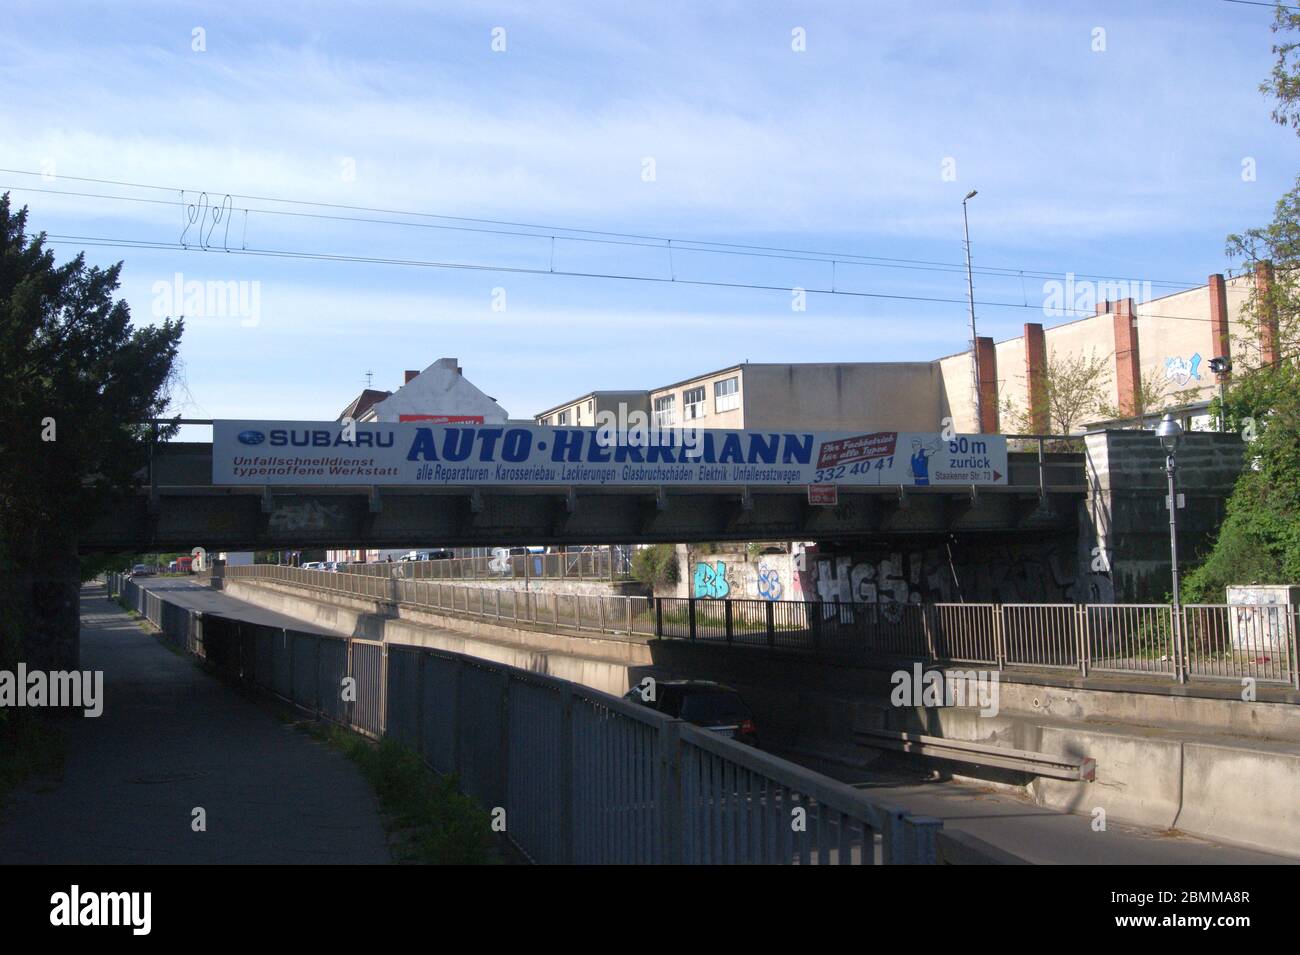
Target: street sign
{"points": [[826, 495]]}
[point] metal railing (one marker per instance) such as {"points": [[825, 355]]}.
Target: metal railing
{"points": [[1200, 641], [582, 776], [604, 613], [595, 564]]}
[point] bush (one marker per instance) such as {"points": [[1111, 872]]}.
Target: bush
{"points": [[656, 566]]}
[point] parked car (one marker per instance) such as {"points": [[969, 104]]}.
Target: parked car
{"points": [[141, 570], [312, 565], [705, 703]]}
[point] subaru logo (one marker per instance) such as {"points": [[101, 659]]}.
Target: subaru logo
{"points": [[251, 437]]}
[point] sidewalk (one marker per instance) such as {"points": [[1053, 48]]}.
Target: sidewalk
{"points": [[172, 738]]}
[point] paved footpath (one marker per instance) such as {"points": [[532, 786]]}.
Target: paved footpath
{"points": [[172, 738]]}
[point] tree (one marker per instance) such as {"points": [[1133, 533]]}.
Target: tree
{"points": [[1259, 540], [1154, 395], [655, 566], [1074, 391], [77, 380]]}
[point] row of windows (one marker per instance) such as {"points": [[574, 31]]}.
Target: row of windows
{"points": [[562, 417], [726, 397]]}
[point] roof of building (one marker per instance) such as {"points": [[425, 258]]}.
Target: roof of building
{"points": [[362, 403], [591, 394]]}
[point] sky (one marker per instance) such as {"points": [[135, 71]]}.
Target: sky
{"points": [[277, 145]]}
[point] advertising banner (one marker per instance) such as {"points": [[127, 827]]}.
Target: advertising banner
{"points": [[421, 454]]}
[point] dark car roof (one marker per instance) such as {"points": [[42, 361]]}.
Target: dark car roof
{"points": [[698, 684]]}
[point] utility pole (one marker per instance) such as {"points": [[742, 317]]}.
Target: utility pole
{"points": [[974, 341]]}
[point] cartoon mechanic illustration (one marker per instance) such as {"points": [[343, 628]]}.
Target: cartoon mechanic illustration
{"points": [[921, 455]]}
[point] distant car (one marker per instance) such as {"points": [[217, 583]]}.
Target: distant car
{"points": [[709, 705], [312, 565], [440, 555], [140, 570]]}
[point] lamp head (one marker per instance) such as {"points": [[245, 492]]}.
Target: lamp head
{"points": [[1169, 431], [971, 195], [1221, 366]]}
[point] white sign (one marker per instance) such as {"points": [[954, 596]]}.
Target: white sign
{"points": [[415, 454]]}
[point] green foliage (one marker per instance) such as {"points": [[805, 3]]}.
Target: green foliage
{"points": [[31, 744], [434, 822], [656, 565], [1259, 542], [1075, 388], [77, 378]]}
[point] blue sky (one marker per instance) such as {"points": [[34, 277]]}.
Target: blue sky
{"points": [[1125, 162]]}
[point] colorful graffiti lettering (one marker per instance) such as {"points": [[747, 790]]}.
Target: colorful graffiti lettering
{"points": [[769, 583], [711, 581], [1182, 370]]}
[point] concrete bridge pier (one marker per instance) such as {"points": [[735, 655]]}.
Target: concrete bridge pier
{"points": [[1126, 518]]}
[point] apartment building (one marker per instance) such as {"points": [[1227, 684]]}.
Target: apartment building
{"points": [[1153, 354], [581, 412]]}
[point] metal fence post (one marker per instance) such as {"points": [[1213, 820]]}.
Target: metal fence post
{"points": [[567, 770], [670, 793], [769, 614], [727, 615], [1081, 631], [659, 616], [1295, 644], [383, 689], [505, 740], [999, 637], [690, 612], [1180, 648]]}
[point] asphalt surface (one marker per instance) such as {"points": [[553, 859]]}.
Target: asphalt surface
{"points": [[172, 739], [1042, 836], [190, 593]]}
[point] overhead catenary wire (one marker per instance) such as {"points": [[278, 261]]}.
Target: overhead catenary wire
{"points": [[125, 243], [503, 227]]}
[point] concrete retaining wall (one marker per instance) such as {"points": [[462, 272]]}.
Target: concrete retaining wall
{"points": [[601, 663], [1160, 763]]}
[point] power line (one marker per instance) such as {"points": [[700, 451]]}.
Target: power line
{"points": [[1262, 3], [579, 235], [109, 242]]}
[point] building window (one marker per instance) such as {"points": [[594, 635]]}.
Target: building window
{"points": [[664, 410], [577, 410], [563, 418], [726, 394], [693, 403], [545, 421]]}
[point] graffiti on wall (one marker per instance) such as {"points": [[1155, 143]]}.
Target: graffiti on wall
{"points": [[710, 581], [1006, 573], [1181, 370], [772, 578]]}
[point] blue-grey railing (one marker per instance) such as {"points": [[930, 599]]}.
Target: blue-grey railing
{"points": [[574, 774]]}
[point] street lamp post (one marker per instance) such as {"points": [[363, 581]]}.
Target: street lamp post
{"points": [[1169, 432], [970, 292]]}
